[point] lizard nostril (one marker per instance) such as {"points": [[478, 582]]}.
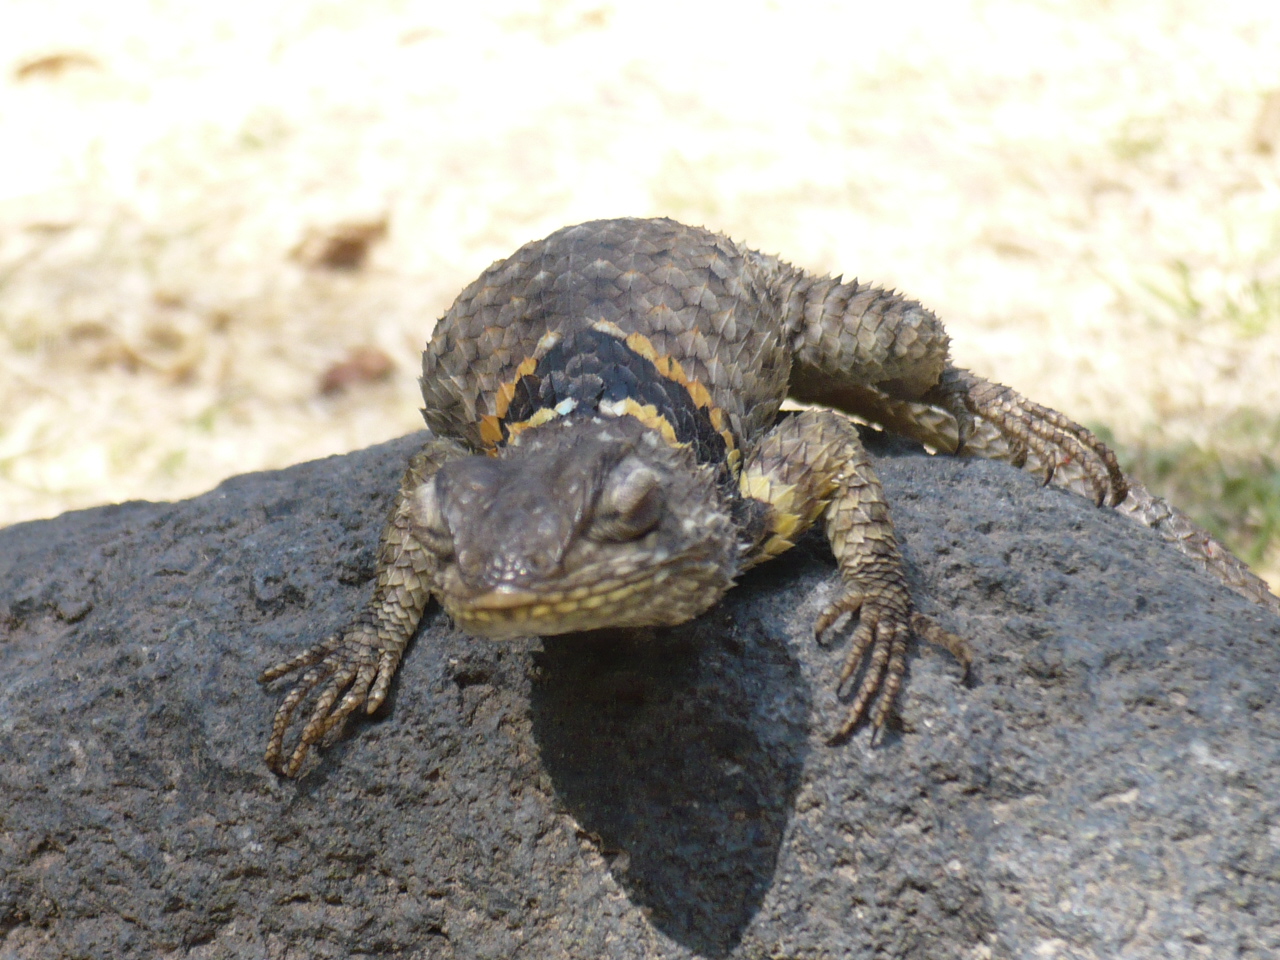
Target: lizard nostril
{"points": [[509, 568]]}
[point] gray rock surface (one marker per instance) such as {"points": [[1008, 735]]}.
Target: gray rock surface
{"points": [[1104, 784]]}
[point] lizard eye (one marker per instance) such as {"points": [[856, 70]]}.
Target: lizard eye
{"points": [[429, 520], [630, 505]]}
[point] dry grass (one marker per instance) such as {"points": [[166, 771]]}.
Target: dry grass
{"points": [[1088, 192]]}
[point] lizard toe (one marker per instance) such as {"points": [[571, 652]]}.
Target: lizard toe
{"points": [[346, 672]]}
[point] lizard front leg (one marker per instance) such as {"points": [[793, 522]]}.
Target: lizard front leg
{"points": [[813, 465], [354, 666]]}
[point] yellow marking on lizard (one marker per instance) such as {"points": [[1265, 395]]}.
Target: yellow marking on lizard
{"points": [[490, 431], [700, 396], [788, 515], [506, 391], [616, 596], [636, 341], [671, 368], [646, 413], [541, 416], [491, 423]]}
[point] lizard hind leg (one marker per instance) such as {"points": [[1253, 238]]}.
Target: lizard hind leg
{"points": [[813, 465], [877, 354], [1026, 425]]}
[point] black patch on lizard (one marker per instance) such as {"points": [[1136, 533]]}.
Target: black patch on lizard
{"points": [[591, 367]]}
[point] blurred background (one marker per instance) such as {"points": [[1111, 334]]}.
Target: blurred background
{"points": [[227, 229]]}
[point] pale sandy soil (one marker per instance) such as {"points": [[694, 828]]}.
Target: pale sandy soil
{"points": [[1046, 175]]}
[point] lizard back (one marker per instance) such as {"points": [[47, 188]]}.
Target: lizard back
{"points": [[648, 318]]}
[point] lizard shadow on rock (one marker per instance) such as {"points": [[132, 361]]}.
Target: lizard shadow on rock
{"points": [[679, 752]]}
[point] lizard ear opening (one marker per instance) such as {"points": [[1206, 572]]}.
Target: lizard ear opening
{"points": [[630, 505], [428, 518]]}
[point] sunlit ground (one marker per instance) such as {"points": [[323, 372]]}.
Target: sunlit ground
{"points": [[1087, 192]]}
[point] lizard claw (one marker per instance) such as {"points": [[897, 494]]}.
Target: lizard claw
{"points": [[349, 670], [885, 626], [880, 641], [1027, 426]]}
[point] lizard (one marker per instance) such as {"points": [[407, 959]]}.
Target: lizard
{"points": [[607, 448]]}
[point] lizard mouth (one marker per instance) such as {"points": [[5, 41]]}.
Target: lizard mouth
{"points": [[504, 598], [657, 598]]}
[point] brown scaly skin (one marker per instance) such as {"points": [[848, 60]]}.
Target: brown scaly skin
{"points": [[607, 452]]}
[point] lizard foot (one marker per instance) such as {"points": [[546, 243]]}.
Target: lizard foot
{"points": [[886, 623], [1026, 425], [349, 669]]}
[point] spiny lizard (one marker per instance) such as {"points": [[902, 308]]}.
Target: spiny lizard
{"points": [[608, 450]]}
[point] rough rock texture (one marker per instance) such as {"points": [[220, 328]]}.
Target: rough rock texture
{"points": [[1106, 785]]}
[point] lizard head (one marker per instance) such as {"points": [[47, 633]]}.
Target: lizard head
{"points": [[581, 524]]}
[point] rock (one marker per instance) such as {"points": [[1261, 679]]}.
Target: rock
{"points": [[1105, 784]]}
